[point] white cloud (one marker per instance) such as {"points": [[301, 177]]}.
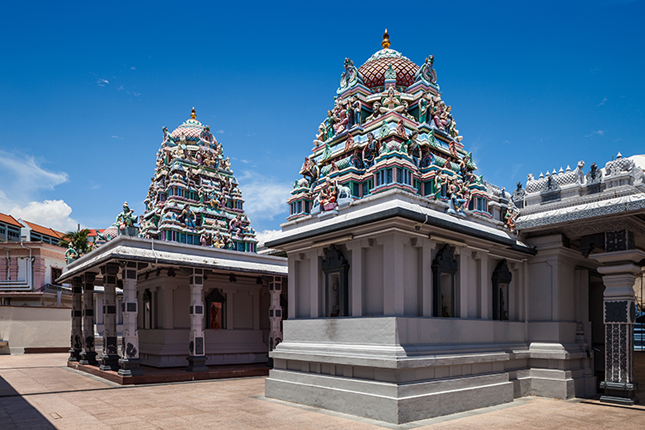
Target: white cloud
{"points": [[22, 176], [265, 236], [101, 82], [49, 213], [265, 197], [22, 179], [603, 102], [597, 132], [220, 132]]}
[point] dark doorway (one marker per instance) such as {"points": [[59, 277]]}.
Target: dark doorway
{"points": [[596, 291]]}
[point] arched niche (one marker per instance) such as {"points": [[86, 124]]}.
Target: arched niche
{"points": [[335, 268], [501, 278], [215, 310], [444, 269], [147, 310]]}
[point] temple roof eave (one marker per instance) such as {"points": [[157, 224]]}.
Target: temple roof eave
{"points": [[395, 206], [134, 249]]}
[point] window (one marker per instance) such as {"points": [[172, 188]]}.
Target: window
{"points": [[367, 187], [56, 273], [428, 189], [403, 176], [444, 268], [13, 234], [355, 189], [383, 177], [501, 278]]}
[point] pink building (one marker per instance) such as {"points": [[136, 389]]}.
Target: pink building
{"points": [[30, 262]]}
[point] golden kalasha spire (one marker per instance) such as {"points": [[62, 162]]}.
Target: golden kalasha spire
{"points": [[193, 115], [386, 40]]}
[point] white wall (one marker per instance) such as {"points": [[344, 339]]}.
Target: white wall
{"points": [[34, 327]]}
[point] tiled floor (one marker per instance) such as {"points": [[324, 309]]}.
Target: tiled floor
{"points": [[39, 391]]}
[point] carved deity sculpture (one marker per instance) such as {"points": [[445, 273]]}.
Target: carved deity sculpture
{"points": [[126, 218], [423, 110], [356, 109], [70, 254], [391, 102], [509, 218], [187, 217], [329, 125]]}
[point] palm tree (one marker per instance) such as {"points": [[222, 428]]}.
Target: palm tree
{"points": [[78, 240]]}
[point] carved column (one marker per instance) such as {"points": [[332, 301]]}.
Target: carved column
{"points": [[619, 274], [275, 315], [110, 357], [76, 339], [196, 345], [88, 356], [130, 361]]}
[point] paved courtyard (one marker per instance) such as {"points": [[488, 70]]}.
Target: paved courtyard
{"points": [[40, 392]]}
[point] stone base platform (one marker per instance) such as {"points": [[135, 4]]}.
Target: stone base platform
{"points": [[153, 375]]}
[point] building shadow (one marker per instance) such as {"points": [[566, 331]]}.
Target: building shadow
{"points": [[17, 413]]}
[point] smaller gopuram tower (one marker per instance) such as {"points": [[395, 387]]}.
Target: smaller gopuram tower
{"points": [[193, 196]]}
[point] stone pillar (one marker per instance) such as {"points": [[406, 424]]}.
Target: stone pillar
{"points": [[356, 275], [110, 357], [314, 284], [485, 293], [619, 272], [462, 292], [76, 339], [88, 356], [196, 345], [275, 314], [130, 361]]}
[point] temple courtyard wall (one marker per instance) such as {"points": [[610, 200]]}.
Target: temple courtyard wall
{"points": [[33, 328]]}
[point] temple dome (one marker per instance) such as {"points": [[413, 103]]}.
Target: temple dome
{"points": [[374, 69], [191, 129]]}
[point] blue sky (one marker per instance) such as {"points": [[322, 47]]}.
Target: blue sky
{"points": [[86, 87]]}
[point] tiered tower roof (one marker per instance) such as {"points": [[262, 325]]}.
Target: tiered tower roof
{"points": [[193, 196], [390, 131]]}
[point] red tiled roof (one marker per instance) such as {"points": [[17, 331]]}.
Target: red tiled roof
{"points": [[44, 230], [93, 231], [8, 219]]}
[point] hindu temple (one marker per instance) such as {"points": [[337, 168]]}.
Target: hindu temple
{"points": [[185, 287], [418, 289]]}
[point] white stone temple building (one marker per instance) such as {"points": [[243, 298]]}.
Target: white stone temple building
{"points": [[416, 289]]}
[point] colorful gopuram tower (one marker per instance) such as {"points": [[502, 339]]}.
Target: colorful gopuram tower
{"points": [[389, 128], [193, 196], [406, 278]]}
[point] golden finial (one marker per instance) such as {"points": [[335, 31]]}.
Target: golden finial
{"points": [[193, 115], [386, 40]]}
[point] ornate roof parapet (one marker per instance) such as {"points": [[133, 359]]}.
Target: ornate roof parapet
{"points": [[622, 171], [390, 131], [622, 178]]}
